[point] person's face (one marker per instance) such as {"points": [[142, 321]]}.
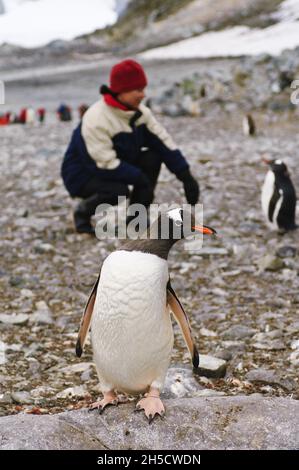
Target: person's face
{"points": [[133, 98]]}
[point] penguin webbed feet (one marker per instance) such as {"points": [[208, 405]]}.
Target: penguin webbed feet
{"points": [[152, 406], [110, 399]]}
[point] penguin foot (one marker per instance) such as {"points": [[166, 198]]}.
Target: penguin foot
{"points": [[110, 399], [152, 406]]}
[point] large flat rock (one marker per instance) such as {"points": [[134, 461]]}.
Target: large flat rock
{"points": [[240, 422]]}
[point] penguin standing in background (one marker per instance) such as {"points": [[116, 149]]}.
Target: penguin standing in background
{"points": [[30, 116], [129, 312], [202, 91], [248, 125], [279, 197]]}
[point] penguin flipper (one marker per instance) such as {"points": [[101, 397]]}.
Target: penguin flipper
{"points": [[86, 319], [183, 322]]}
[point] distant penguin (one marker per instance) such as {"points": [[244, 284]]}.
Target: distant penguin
{"points": [[248, 125], [202, 91], [30, 116], [279, 197], [129, 312]]}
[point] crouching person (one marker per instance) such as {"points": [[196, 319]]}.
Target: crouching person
{"points": [[120, 143]]}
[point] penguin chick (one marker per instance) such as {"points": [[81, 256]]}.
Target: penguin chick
{"points": [[129, 312], [279, 197], [248, 125]]}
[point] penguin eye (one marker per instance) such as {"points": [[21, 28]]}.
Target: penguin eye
{"points": [[178, 223]]}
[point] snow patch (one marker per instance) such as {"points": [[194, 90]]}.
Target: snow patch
{"points": [[239, 40]]}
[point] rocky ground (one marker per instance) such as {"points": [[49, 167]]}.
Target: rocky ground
{"points": [[241, 290], [197, 423]]}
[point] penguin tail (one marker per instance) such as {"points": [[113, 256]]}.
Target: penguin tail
{"points": [[195, 358], [79, 349]]}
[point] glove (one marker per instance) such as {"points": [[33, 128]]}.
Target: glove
{"points": [[143, 192], [191, 187]]}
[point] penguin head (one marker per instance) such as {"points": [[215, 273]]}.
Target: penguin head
{"points": [[278, 167], [179, 223]]}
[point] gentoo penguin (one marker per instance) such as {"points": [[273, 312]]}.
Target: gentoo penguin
{"points": [[248, 125], [129, 312], [279, 196], [30, 116]]}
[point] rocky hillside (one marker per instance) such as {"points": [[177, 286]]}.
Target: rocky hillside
{"points": [[146, 24]]}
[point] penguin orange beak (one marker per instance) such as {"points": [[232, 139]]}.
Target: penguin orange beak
{"points": [[266, 160], [204, 229]]}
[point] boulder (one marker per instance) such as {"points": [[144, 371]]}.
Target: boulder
{"points": [[270, 377], [239, 422], [210, 366], [270, 263], [236, 332]]}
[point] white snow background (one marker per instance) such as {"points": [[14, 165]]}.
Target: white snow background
{"points": [[33, 23]]}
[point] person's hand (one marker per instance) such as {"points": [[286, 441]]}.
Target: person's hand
{"points": [[191, 187]]}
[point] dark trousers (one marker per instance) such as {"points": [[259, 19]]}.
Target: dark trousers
{"points": [[96, 191]]}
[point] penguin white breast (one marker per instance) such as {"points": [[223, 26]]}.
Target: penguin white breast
{"points": [[267, 193], [30, 116], [246, 128], [131, 329]]}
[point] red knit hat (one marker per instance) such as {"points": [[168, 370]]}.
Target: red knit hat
{"points": [[127, 75]]}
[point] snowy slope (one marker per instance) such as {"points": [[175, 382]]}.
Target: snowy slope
{"points": [[32, 23], [239, 40], [10, 5]]}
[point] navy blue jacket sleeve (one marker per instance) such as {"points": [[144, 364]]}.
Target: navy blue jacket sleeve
{"points": [[125, 172], [173, 159]]}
